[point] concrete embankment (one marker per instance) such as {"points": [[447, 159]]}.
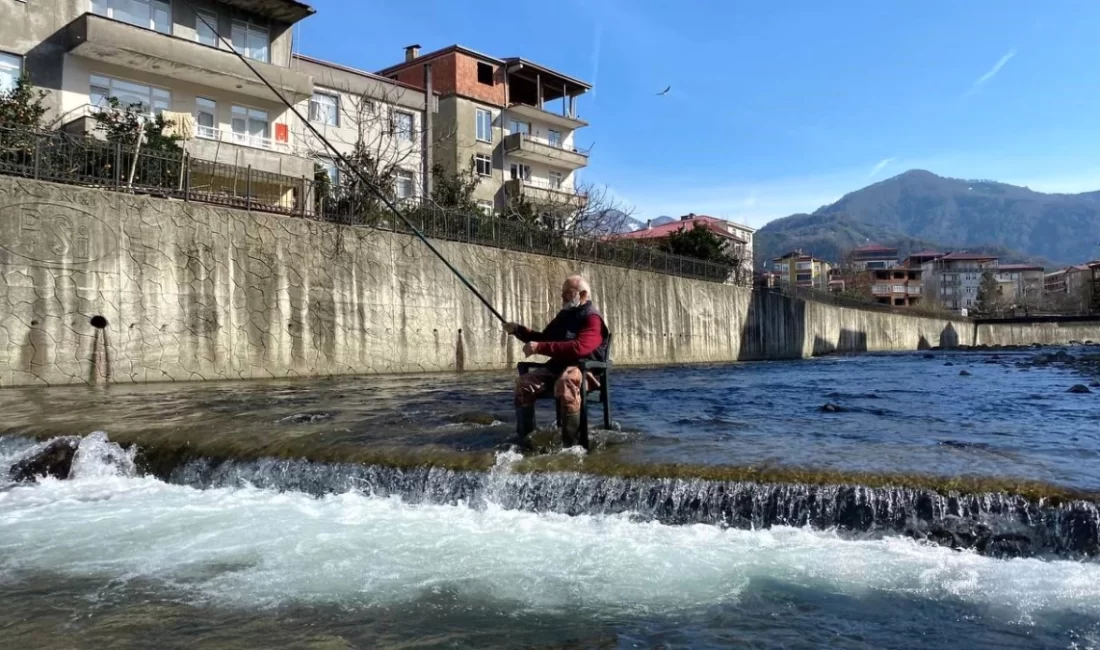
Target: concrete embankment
{"points": [[99, 286]]}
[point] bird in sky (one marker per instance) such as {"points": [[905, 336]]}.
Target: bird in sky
{"points": [[664, 92]]}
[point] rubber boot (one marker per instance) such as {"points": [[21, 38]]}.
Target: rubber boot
{"points": [[570, 430], [525, 421]]}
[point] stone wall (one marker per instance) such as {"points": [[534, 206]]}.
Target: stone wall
{"points": [[186, 291]]}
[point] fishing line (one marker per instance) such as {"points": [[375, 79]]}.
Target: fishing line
{"points": [[372, 187]]}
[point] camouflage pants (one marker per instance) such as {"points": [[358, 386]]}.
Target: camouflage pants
{"points": [[567, 387]]}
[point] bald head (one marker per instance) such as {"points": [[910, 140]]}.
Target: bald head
{"points": [[575, 292]]}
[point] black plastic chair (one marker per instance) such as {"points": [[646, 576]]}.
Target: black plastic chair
{"points": [[601, 370]]}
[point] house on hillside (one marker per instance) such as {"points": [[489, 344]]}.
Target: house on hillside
{"points": [[737, 237]]}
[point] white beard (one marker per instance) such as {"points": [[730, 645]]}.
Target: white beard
{"points": [[571, 304]]}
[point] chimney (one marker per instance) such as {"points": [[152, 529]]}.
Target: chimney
{"points": [[411, 52], [649, 224], [688, 217]]}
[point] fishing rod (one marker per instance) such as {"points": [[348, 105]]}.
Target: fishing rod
{"points": [[371, 186]]}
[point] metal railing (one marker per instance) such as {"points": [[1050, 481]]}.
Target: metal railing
{"points": [[92, 162], [244, 139]]}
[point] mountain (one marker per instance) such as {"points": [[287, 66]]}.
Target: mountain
{"points": [[919, 209]]}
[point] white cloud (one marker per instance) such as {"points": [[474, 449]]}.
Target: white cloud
{"points": [[880, 166], [993, 71]]}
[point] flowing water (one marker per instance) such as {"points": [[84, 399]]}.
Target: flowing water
{"points": [[329, 553]]}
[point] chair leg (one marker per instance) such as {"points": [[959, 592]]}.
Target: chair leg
{"points": [[584, 413], [605, 397]]}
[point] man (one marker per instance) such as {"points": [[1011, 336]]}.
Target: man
{"points": [[577, 333]]}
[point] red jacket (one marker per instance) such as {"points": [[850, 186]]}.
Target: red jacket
{"points": [[588, 340]]}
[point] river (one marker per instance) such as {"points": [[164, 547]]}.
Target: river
{"points": [[244, 551]]}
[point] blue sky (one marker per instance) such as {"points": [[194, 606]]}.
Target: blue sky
{"points": [[781, 106]]}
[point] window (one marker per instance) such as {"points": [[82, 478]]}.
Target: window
{"points": [[554, 138], [150, 14], [555, 179], [325, 108], [11, 67], [206, 27], [515, 126], [483, 164], [206, 118], [251, 127], [485, 74], [152, 100], [521, 172], [403, 186], [485, 206], [251, 40], [403, 125], [484, 125], [331, 170]]}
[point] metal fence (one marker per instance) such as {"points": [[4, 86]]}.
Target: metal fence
{"points": [[92, 162]]}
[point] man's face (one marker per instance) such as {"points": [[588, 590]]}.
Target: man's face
{"points": [[570, 296]]}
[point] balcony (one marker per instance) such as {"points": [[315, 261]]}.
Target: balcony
{"points": [[540, 191], [102, 39], [527, 147], [248, 150], [540, 115]]}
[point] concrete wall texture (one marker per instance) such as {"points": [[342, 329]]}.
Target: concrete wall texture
{"points": [[185, 291]]}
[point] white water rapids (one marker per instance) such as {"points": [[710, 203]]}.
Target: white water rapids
{"points": [[254, 548]]}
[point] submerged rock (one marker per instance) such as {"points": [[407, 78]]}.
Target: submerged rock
{"points": [[1079, 389], [829, 407], [54, 459], [964, 373], [948, 364]]}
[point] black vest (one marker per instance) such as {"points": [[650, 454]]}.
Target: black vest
{"points": [[567, 324]]}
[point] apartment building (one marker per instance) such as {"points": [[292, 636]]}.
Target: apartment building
{"points": [[513, 121], [872, 257], [164, 56], [1073, 289], [953, 280], [801, 270], [384, 117], [1020, 284], [898, 286]]}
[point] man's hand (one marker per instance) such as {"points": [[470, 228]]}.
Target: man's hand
{"points": [[530, 349], [511, 327]]}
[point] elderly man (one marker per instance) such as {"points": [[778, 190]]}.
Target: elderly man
{"points": [[577, 332]]}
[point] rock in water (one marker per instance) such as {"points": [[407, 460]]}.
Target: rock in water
{"points": [[1079, 388], [55, 459], [829, 407], [964, 373]]}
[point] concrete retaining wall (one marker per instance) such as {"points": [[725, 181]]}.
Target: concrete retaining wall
{"points": [[1028, 331], [191, 292]]}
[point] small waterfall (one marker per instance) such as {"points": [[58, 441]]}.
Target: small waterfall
{"points": [[994, 524]]}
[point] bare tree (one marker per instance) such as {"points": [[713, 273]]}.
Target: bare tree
{"points": [[586, 211], [382, 139]]}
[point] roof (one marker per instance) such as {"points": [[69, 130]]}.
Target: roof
{"points": [[717, 226], [437, 53], [531, 64], [926, 253], [363, 73], [484, 57], [1020, 267], [799, 255], [875, 248], [963, 256]]}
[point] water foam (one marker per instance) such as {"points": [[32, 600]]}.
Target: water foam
{"points": [[250, 547]]}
